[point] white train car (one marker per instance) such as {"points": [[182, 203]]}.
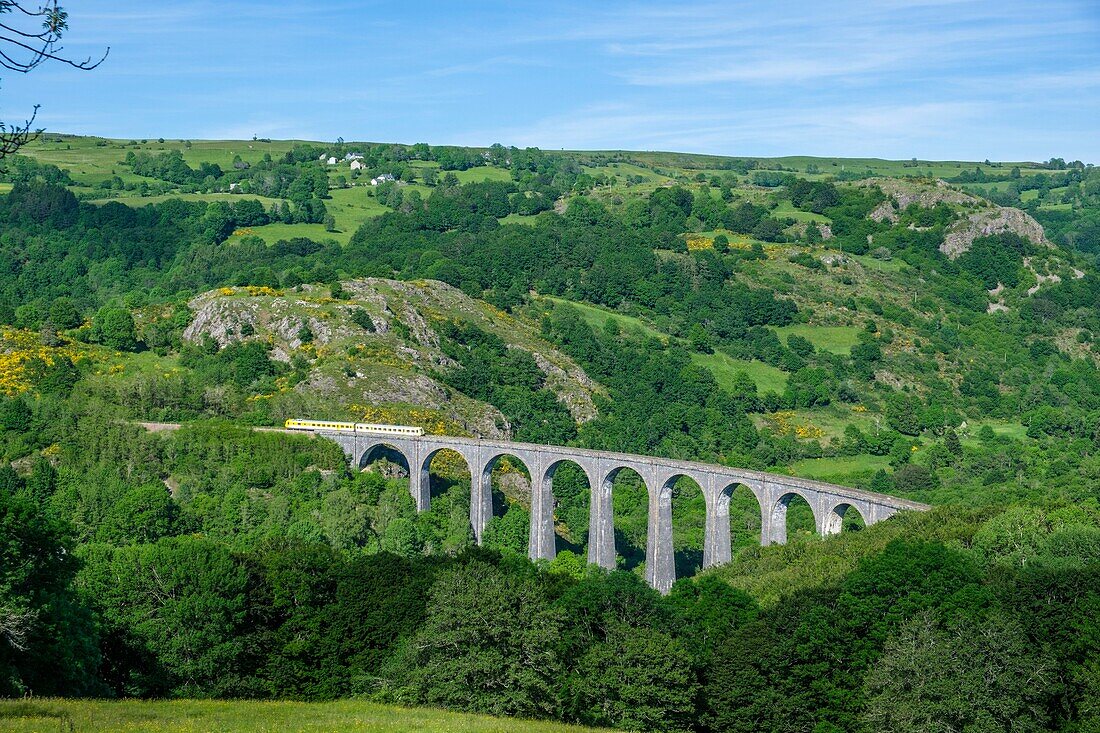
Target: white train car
{"points": [[376, 429], [407, 431]]}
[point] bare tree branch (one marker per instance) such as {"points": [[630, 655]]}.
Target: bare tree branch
{"points": [[26, 45]]}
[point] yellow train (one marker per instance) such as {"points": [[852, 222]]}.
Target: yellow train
{"points": [[354, 427]]}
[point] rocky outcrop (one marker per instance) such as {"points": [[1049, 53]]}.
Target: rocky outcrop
{"points": [[228, 320], [397, 359], [984, 218], [572, 385], [925, 195], [987, 222]]}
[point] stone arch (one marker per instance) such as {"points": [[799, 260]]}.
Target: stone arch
{"points": [[608, 537], [393, 449], [384, 449], [571, 503], [682, 496], [844, 515], [491, 514], [490, 463], [452, 472], [444, 453], [734, 520], [777, 522]]}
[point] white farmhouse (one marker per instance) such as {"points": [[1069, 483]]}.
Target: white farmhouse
{"points": [[357, 165], [381, 179], [353, 156], [331, 160]]}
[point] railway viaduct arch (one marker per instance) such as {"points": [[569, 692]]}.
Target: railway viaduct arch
{"points": [[773, 493]]}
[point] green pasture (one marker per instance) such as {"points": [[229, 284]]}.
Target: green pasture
{"points": [[210, 716], [483, 173], [843, 470], [898, 168], [131, 198], [834, 339], [471, 175], [350, 207], [1001, 428], [830, 420], [91, 160], [94, 157], [725, 368], [736, 240], [721, 365], [525, 219], [872, 263], [786, 209], [623, 170], [596, 317], [274, 232]]}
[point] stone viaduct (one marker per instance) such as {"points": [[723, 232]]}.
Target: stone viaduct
{"points": [[773, 493]]}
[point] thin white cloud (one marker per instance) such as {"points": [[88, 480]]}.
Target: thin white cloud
{"points": [[840, 130]]}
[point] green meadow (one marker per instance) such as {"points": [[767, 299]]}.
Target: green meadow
{"points": [[725, 369], [845, 470], [834, 339], [208, 716], [598, 317]]}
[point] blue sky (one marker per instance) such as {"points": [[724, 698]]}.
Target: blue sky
{"points": [[934, 79]]}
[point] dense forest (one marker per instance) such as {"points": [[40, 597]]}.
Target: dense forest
{"points": [[736, 311]]}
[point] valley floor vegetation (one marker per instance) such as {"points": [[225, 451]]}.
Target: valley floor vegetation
{"points": [[784, 315]]}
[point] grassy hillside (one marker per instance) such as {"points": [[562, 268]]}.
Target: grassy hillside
{"points": [[192, 716]]}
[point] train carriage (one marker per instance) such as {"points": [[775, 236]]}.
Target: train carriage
{"points": [[407, 431], [311, 425], [375, 428]]}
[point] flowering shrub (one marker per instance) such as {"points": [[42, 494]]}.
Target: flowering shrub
{"points": [[21, 349], [434, 422], [784, 424]]}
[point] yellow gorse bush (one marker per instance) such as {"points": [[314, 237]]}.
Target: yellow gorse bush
{"points": [[785, 423], [19, 347], [434, 422]]}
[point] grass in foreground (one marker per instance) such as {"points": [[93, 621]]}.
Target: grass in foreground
{"points": [[208, 716]]}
